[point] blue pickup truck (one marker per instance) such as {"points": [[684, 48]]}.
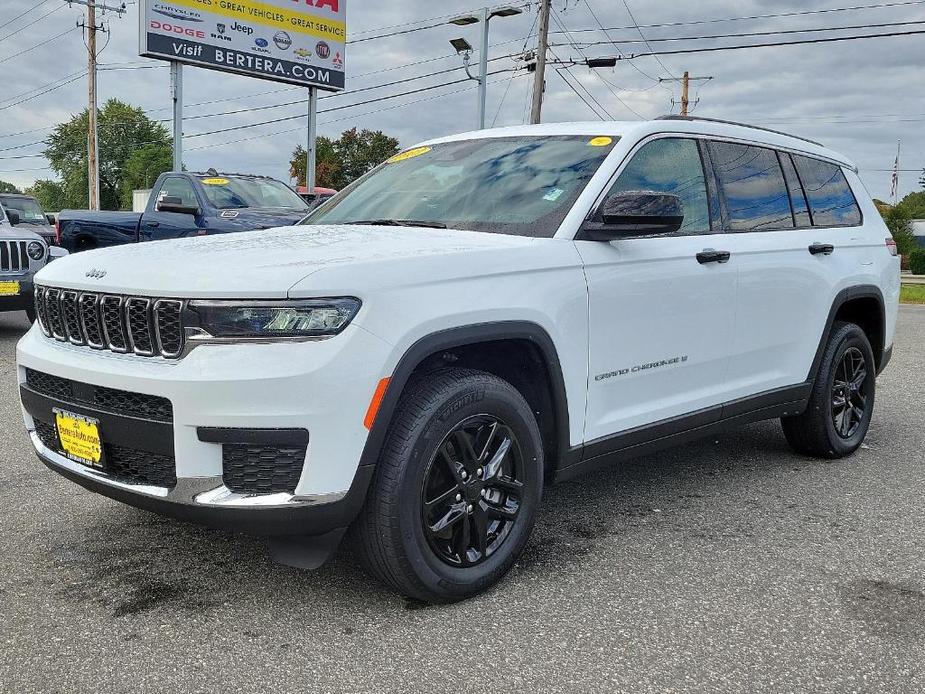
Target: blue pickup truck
{"points": [[187, 204]]}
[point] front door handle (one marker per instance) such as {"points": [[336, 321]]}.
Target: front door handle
{"points": [[152, 225], [708, 255], [822, 249]]}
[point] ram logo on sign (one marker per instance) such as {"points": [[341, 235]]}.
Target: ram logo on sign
{"points": [[221, 36]]}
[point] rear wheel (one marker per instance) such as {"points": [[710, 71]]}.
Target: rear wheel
{"points": [[842, 401], [456, 488]]}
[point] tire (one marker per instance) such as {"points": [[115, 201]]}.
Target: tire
{"points": [[821, 431], [30, 314], [425, 454]]}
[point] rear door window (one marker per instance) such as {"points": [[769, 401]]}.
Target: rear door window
{"points": [[830, 198], [753, 187], [797, 197]]}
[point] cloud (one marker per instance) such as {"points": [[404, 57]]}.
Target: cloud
{"points": [[858, 97]]}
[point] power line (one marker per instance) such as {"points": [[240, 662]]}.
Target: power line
{"points": [[778, 15], [643, 37], [32, 48], [35, 21], [714, 49], [748, 34], [23, 14], [340, 108], [600, 24], [42, 90]]}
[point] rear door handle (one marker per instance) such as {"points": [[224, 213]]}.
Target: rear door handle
{"points": [[822, 249], [708, 255]]}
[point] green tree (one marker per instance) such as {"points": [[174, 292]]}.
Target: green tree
{"points": [[50, 195], [914, 205], [124, 132], [142, 168], [8, 187], [899, 223], [340, 162]]}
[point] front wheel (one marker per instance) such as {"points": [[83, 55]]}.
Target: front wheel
{"points": [[836, 421], [456, 488]]}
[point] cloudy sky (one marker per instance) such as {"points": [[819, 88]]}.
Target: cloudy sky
{"points": [[858, 96]]}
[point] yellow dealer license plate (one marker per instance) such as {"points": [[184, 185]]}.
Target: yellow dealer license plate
{"points": [[9, 288], [80, 437]]}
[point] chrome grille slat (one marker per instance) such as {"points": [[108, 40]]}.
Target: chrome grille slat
{"points": [[138, 324], [122, 324], [71, 317], [90, 319], [53, 306]]}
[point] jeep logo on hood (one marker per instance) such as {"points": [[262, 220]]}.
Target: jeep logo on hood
{"points": [[96, 274]]}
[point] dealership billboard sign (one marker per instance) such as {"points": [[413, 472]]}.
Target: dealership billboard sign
{"points": [[300, 42]]}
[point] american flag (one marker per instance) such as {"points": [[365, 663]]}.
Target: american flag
{"points": [[894, 180]]}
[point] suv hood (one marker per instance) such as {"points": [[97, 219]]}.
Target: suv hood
{"points": [[260, 264], [18, 233]]}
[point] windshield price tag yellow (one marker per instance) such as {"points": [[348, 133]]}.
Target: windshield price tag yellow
{"points": [[215, 181], [601, 141], [410, 154]]}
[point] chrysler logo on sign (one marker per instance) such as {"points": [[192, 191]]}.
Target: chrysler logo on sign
{"points": [[96, 274]]}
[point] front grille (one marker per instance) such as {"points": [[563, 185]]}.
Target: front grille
{"points": [[250, 469], [13, 256], [121, 463], [146, 327], [122, 402]]}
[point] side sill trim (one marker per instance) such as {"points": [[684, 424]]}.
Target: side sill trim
{"points": [[650, 438]]}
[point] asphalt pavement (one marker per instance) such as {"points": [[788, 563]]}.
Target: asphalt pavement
{"points": [[730, 565]]}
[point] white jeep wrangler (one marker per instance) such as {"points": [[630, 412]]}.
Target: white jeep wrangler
{"points": [[478, 316]]}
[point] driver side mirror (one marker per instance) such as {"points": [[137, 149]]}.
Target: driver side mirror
{"points": [[169, 203], [13, 216], [636, 213], [50, 218]]}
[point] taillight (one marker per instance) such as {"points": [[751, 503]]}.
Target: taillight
{"points": [[891, 247], [57, 232]]}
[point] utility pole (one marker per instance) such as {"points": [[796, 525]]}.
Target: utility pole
{"points": [[685, 89], [91, 27], [176, 96], [539, 79]]}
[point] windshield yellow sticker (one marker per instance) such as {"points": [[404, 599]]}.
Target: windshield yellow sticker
{"points": [[601, 141], [410, 154], [215, 181]]}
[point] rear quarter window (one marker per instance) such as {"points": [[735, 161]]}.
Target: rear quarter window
{"points": [[831, 201]]}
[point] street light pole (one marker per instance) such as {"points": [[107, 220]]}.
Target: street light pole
{"points": [[483, 70]]}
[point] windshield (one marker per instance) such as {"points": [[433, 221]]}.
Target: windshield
{"points": [[511, 185], [29, 210], [229, 193]]}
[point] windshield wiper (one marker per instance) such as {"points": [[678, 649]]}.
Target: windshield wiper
{"points": [[399, 223]]}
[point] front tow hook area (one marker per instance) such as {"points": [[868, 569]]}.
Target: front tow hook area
{"points": [[305, 551]]}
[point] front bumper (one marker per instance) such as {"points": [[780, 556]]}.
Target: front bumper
{"points": [[208, 501], [322, 388]]}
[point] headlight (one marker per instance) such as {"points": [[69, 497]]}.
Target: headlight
{"points": [[35, 250], [304, 318]]}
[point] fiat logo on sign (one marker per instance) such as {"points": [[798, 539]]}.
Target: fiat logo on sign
{"points": [[96, 274]]}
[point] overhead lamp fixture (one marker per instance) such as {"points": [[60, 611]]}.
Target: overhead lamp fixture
{"points": [[461, 46]]}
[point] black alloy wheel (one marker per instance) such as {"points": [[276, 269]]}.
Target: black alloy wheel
{"points": [[850, 390], [472, 491]]}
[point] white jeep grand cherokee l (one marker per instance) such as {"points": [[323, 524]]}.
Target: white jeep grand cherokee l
{"points": [[478, 316]]}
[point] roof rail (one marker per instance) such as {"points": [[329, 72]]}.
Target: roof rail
{"points": [[673, 116]]}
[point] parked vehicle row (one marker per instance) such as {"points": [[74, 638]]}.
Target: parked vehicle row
{"points": [[479, 316], [187, 204]]}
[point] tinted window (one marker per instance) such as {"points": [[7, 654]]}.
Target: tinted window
{"points": [[670, 165], [228, 193], [753, 186], [830, 199], [797, 199], [179, 188]]}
